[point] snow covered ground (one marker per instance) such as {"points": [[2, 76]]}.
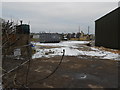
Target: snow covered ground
{"points": [[72, 48], [62, 44]]}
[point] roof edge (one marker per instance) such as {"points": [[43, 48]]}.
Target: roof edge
{"points": [[107, 14]]}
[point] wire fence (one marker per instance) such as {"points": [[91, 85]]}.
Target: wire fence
{"points": [[16, 68], [13, 62]]}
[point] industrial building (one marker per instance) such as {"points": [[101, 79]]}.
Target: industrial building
{"points": [[107, 30], [49, 37]]}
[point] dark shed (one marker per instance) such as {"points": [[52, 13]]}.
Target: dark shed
{"points": [[107, 30]]}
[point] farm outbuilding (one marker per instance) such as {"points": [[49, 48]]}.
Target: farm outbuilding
{"points": [[107, 30]]}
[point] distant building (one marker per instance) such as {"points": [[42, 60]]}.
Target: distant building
{"points": [[82, 34], [78, 35], [92, 37], [73, 35], [107, 30], [68, 36], [36, 36], [49, 37]]}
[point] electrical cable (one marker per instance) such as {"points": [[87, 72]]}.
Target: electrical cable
{"points": [[50, 73]]}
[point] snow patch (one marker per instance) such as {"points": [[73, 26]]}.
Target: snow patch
{"points": [[62, 43], [55, 52], [71, 49], [107, 54]]}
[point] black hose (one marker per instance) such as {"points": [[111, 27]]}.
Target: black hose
{"points": [[50, 73]]}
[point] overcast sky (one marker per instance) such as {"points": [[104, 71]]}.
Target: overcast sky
{"points": [[57, 17]]}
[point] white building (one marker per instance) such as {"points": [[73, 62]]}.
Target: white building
{"points": [[36, 36]]}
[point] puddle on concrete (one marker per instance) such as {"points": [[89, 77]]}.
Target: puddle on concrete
{"points": [[81, 76], [84, 76]]}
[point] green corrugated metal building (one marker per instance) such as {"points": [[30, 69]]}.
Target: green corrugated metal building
{"points": [[107, 30]]}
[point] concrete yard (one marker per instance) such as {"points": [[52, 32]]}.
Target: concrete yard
{"points": [[74, 73]]}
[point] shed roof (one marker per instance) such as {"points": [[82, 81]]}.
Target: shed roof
{"points": [[107, 14]]}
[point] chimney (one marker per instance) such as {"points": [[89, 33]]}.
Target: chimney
{"points": [[21, 22]]}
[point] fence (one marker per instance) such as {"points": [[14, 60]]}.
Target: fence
{"points": [[12, 64], [20, 67]]}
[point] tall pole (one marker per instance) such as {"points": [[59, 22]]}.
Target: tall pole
{"points": [[79, 29], [88, 30]]}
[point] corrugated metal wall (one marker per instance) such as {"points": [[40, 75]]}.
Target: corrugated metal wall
{"points": [[119, 28], [107, 30]]}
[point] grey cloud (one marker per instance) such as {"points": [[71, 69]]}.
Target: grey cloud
{"points": [[58, 17]]}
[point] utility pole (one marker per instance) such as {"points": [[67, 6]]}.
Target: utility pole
{"points": [[79, 29], [88, 30]]}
